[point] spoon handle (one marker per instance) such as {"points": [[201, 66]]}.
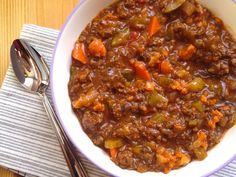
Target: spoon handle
{"points": [[75, 166]]}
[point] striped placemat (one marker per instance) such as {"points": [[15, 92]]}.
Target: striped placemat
{"points": [[28, 144]]}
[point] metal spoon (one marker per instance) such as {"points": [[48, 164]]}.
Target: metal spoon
{"points": [[33, 74]]}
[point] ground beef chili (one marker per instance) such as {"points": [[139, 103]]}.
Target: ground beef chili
{"points": [[153, 82]]}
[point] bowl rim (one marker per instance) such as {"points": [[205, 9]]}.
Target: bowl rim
{"points": [[55, 104]]}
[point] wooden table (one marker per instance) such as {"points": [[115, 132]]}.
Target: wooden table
{"points": [[15, 13]]}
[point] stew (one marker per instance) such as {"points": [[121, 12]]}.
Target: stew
{"points": [[153, 82]]}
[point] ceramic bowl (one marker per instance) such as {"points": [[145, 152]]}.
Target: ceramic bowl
{"points": [[86, 10]]}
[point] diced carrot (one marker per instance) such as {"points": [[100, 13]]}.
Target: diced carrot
{"points": [[166, 67], [183, 158], [166, 170], [212, 102], [178, 126], [188, 52], [201, 140], [141, 49], [97, 48], [201, 135], [179, 86], [130, 98], [141, 70], [113, 153], [203, 99], [212, 122], [78, 53], [109, 16], [154, 26], [217, 115]]}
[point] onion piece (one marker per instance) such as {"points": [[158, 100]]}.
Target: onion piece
{"points": [[188, 8], [173, 6]]}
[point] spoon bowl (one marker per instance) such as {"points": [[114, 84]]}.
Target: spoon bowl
{"points": [[29, 67]]}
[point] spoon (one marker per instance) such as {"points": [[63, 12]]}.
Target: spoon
{"points": [[33, 74]]}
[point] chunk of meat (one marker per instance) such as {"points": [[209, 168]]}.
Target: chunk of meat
{"points": [[125, 159], [91, 120], [220, 67], [108, 25], [122, 10], [232, 84], [181, 31], [233, 66], [79, 74], [233, 62]]}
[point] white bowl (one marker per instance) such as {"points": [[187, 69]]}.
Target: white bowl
{"points": [[218, 157]]}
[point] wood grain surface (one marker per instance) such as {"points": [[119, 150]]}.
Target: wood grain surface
{"points": [[15, 13]]}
